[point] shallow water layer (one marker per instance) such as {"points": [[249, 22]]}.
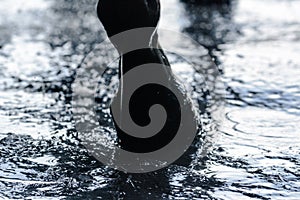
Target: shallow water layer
{"points": [[254, 154]]}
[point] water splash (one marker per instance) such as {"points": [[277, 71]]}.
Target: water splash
{"points": [[239, 166]]}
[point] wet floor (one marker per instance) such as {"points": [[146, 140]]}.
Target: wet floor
{"points": [[252, 154]]}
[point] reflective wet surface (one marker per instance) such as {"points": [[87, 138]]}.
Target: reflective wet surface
{"points": [[252, 153]]}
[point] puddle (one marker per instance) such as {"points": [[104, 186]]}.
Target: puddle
{"points": [[253, 155]]}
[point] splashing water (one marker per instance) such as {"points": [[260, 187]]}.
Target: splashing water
{"points": [[255, 155]]}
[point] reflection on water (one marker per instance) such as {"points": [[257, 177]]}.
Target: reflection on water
{"points": [[255, 153]]}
